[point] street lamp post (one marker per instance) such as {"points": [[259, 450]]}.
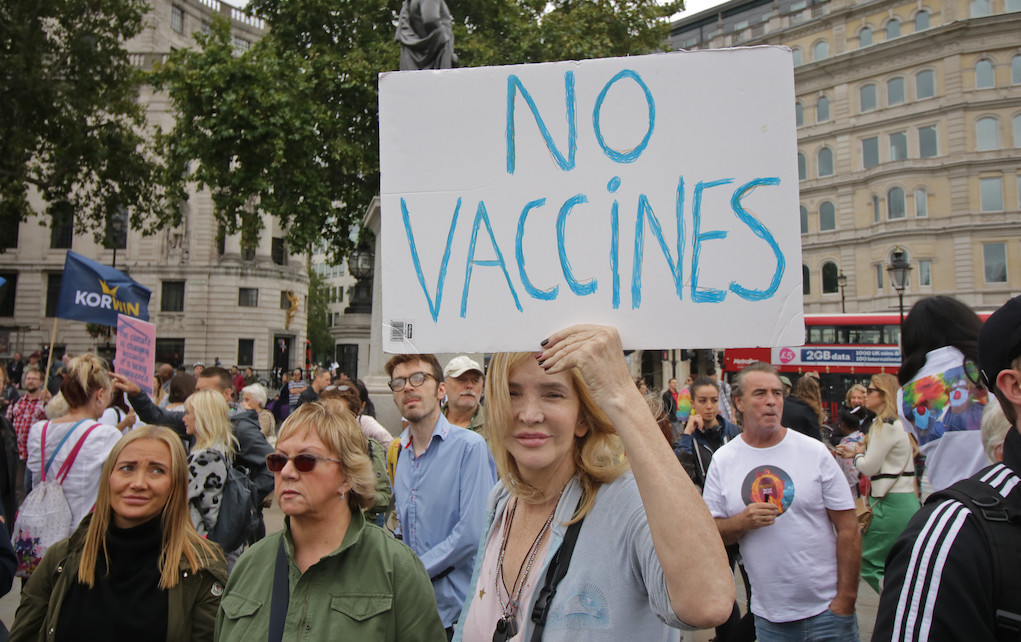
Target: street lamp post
{"points": [[842, 283], [898, 269]]}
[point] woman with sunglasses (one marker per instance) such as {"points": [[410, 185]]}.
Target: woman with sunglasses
{"points": [[941, 398], [329, 574], [581, 457], [887, 458]]}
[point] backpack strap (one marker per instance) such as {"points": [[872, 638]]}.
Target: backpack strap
{"points": [[556, 572], [53, 455], [999, 524], [66, 467], [281, 596], [42, 456]]}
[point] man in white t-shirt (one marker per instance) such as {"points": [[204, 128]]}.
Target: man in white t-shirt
{"points": [[782, 496]]}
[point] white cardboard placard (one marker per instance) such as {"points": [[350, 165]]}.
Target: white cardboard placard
{"points": [[657, 194]]}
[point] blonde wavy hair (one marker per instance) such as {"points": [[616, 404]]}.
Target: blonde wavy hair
{"points": [[888, 386], [212, 421], [340, 432], [180, 539], [598, 455]]}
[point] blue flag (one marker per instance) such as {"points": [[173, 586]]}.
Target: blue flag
{"points": [[95, 293]]}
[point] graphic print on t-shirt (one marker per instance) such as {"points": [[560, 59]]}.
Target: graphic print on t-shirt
{"points": [[768, 484]]}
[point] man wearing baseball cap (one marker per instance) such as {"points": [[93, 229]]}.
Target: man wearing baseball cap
{"points": [[464, 379], [954, 572]]}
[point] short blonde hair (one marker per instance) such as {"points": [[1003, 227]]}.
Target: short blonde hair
{"points": [[994, 428], [598, 456], [180, 539], [213, 429], [342, 436], [850, 391]]}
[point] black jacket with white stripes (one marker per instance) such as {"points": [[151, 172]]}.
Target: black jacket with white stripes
{"points": [[939, 576]]}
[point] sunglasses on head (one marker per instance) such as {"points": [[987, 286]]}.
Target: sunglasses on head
{"points": [[303, 462]]}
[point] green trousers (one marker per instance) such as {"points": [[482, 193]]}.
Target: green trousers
{"points": [[890, 515]]}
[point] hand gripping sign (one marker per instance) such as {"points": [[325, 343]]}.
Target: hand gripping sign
{"points": [[658, 194]]}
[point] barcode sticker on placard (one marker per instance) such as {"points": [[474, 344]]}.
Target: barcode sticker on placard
{"points": [[400, 331]]}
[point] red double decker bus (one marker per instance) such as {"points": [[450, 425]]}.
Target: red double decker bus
{"points": [[854, 344], [843, 348]]}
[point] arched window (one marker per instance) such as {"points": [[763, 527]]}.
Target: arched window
{"points": [[830, 285], [895, 203], [893, 29], [1017, 130], [799, 114], [894, 91], [827, 217], [925, 84], [798, 56], [867, 97], [804, 220], [1015, 70], [806, 281], [822, 108], [825, 162], [802, 167], [987, 134], [865, 37], [922, 20], [821, 50], [984, 77], [981, 8]]}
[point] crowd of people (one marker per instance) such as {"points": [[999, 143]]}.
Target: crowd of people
{"points": [[549, 497]]}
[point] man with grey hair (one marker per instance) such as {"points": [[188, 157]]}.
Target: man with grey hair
{"points": [[783, 497], [464, 381], [953, 572]]}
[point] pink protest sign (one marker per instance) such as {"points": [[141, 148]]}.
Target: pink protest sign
{"points": [[136, 351]]}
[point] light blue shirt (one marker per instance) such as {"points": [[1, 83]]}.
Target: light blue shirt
{"points": [[441, 503]]}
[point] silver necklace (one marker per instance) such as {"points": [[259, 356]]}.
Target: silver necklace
{"points": [[507, 626]]}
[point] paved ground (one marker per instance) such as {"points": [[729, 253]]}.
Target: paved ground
{"points": [[867, 598]]}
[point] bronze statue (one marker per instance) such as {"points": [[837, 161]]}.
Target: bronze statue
{"points": [[426, 35]]}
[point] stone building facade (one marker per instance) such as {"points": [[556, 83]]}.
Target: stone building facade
{"points": [[909, 137], [210, 299]]}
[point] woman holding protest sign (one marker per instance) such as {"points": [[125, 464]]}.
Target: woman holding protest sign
{"points": [[584, 468], [77, 444]]}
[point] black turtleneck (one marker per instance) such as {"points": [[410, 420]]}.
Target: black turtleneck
{"points": [[126, 603]]}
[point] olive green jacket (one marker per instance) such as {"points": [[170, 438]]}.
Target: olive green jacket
{"points": [[191, 604], [372, 587]]}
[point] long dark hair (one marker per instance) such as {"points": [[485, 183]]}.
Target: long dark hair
{"points": [[935, 322]]}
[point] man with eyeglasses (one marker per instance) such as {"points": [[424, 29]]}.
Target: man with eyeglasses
{"points": [[953, 572], [443, 476]]}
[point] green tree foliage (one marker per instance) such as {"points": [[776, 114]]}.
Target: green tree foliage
{"points": [[290, 127], [319, 318], [70, 127]]}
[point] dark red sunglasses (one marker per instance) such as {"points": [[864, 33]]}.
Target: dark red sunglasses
{"points": [[303, 462]]}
